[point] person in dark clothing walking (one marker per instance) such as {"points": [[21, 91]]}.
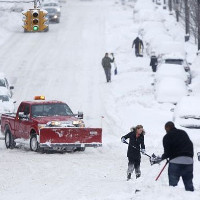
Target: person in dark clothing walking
{"points": [[106, 63], [179, 149], [138, 46], [153, 62], [136, 140]]}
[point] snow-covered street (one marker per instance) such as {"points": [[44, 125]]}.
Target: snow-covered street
{"points": [[65, 64]]}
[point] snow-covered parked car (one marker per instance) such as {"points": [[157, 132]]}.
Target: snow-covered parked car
{"points": [[4, 83], [176, 58], [187, 112], [7, 105], [170, 90], [172, 70]]}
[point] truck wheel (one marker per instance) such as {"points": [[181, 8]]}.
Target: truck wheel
{"points": [[9, 141], [34, 143], [80, 149]]}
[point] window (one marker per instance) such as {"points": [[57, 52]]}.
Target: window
{"points": [[57, 109]]}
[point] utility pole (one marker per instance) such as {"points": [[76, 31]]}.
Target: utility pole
{"points": [[164, 4], [35, 3], [170, 6], [198, 25], [177, 10], [187, 21]]}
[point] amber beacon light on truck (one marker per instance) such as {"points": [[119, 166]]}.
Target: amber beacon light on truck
{"points": [[39, 98]]}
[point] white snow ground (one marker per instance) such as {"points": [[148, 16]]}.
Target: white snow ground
{"points": [[64, 64]]}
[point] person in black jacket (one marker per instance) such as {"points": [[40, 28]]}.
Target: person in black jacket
{"points": [[153, 62], [138, 46], [106, 63], [136, 140], [179, 149]]}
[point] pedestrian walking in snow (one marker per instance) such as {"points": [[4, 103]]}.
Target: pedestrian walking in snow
{"points": [[153, 62], [135, 146], [138, 46], [179, 149], [106, 63]]}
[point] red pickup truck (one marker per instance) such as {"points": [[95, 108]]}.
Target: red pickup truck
{"points": [[48, 125]]}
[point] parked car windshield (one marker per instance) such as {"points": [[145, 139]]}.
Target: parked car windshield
{"points": [[4, 98], [174, 61], [51, 10], [57, 109], [2, 83]]}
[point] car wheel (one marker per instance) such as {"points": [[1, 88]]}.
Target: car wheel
{"points": [[34, 143], [9, 141], [80, 149]]}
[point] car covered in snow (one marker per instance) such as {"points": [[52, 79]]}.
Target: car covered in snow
{"points": [[4, 83], [7, 105], [172, 70], [187, 112], [170, 90], [177, 59], [53, 15]]}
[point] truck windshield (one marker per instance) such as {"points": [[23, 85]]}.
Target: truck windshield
{"points": [[57, 109]]}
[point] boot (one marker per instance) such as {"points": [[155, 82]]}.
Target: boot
{"points": [[128, 176], [138, 175]]}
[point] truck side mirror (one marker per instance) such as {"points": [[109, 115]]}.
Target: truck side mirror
{"points": [[80, 115], [21, 115]]}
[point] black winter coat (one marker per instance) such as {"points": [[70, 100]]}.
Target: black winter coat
{"points": [[177, 143], [106, 62], [154, 61], [138, 43], [134, 153]]}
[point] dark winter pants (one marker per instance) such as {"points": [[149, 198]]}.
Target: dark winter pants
{"points": [[108, 73], [137, 53], [154, 68], [175, 171], [134, 164]]}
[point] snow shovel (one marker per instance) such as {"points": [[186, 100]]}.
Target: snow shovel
{"points": [[115, 70], [139, 150], [140, 52], [162, 170]]}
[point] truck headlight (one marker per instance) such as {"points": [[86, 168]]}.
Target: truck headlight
{"points": [[54, 123], [78, 123]]}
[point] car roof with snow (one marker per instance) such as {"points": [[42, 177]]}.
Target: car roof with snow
{"points": [[189, 106], [175, 55], [40, 102], [4, 91]]}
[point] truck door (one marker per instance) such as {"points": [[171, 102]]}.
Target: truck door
{"points": [[23, 124]]}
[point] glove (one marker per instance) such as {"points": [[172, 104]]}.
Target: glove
{"points": [[155, 159], [143, 151], [123, 140], [112, 54]]}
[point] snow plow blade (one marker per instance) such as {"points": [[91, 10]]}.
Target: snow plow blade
{"points": [[73, 137]]}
